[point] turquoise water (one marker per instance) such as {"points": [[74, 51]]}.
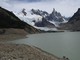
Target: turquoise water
{"points": [[60, 44]]}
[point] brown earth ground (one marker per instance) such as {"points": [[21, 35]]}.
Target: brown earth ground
{"points": [[12, 34]]}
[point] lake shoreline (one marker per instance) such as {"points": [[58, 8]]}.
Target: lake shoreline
{"points": [[23, 52], [10, 37], [19, 51]]}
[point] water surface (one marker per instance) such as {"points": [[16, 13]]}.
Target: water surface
{"points": [[60, 44]]}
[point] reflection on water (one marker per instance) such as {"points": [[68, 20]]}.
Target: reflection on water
{"points": [[59, 44]]}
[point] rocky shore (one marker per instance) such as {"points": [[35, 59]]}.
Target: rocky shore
{"points": [[23, 52]]}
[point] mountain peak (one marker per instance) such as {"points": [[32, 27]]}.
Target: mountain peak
{"points": [[53, 10], [24, 12], [55, 16], [39, 12], [78, 9]]}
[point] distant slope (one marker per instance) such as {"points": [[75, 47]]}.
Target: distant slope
{"points": [[75, 17], [73, 23]]}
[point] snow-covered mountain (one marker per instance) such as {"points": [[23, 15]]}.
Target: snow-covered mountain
{"points": [[41, 19], [56, 18], [28, 17]]}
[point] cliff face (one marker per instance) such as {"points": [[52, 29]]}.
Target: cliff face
{"points": [[9, 20]]}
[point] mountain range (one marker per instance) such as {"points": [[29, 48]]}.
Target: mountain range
{"points": [[36, 20], [41, 19]]}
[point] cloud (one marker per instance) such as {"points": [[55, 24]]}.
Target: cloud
{"points": [[29, 1], [65, 7]]}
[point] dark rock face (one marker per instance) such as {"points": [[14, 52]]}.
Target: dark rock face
{"points": [[23, 11], [39, 12], [44, 23], [9, 20], [55, 16]]}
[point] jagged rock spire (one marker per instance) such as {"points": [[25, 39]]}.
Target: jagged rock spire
{"points": [[23, 11], [53, 12], [78, 11]]}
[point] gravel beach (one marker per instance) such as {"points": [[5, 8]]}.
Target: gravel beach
{"points": [[23, 52]]}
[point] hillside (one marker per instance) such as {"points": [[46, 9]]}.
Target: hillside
{"points": [[74, 22], [9, 20], [12, 27]]}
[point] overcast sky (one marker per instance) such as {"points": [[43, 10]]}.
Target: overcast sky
{"points": [[65, 7]]}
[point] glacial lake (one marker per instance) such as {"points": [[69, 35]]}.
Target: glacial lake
{"points": [[60, 44]]}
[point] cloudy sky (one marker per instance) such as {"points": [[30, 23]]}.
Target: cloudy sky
{"points": [[65, 7]]}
